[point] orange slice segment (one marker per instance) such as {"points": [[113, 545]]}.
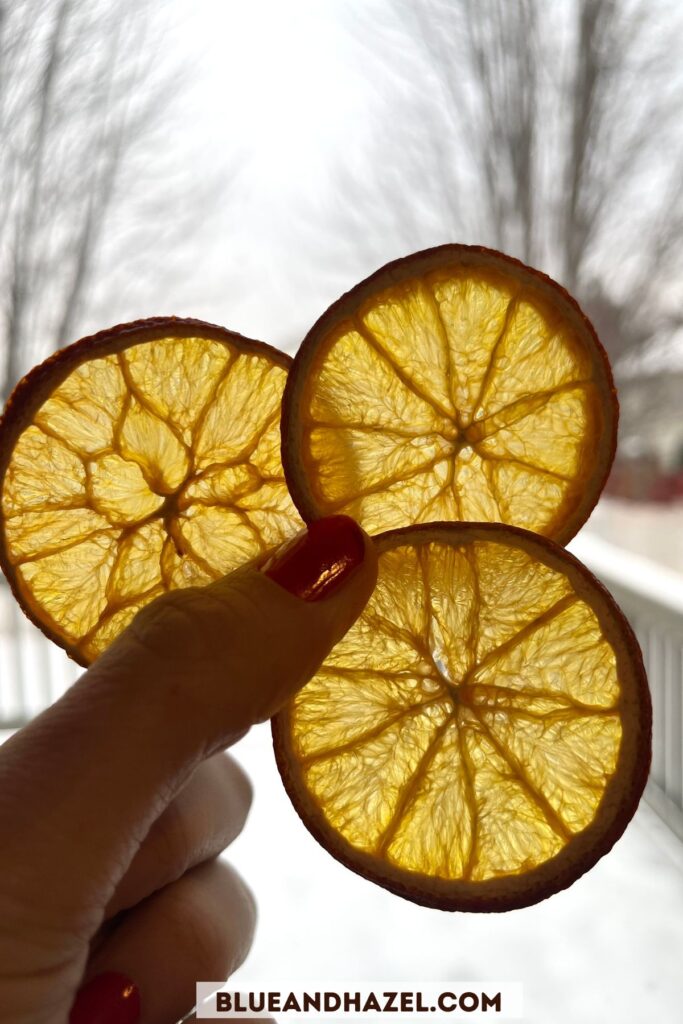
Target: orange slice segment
{"points": [[481, 736], [455, 384], [139, 460]]}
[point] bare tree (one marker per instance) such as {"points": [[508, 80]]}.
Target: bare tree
{"points": [[551, 131], [81, 98]]}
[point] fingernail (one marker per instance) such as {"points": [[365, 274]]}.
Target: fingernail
{"points": [[108, 998], [315, 563]]}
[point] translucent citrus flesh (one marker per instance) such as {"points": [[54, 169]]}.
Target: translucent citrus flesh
{"points": [[152, 468], [462, 394], [467, 726]]}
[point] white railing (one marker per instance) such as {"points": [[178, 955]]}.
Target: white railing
{"points": [[651, 597], [33, 672]]}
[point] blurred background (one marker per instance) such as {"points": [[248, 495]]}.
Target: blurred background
{"points": [[247, 163]]}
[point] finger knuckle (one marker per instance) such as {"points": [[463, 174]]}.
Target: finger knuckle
{"points": [[240, 784], [168, 624], [215, 934], [172, 840]]}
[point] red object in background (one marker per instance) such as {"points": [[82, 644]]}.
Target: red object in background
{"points": [[642, 480]]}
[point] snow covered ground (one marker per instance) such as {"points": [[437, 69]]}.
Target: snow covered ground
{"points": [[609, 950]]}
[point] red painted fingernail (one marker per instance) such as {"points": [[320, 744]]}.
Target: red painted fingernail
{"points": [[108, 998], [315, 563]]}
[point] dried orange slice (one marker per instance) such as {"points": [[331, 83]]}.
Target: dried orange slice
{"points": [[144, 458], [455, 384], [481, 736]]}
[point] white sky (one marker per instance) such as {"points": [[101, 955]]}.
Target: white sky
{"points": [[282, 83], [284, 96]]}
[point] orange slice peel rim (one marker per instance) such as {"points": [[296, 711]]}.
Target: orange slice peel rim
{"points": [[43, 380], [619, 799], [416, 266]]}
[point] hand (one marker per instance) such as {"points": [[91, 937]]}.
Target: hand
{"points": [[115, 802]]}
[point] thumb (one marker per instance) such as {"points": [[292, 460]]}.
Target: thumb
{"points": [[217, 659], [193, 671]]}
